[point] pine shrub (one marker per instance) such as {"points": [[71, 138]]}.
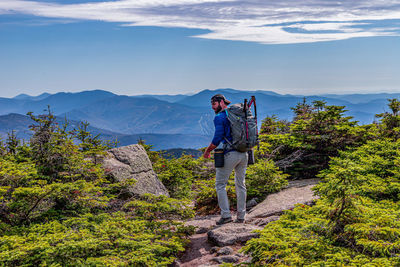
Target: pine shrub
{"points": [[57, 206]]}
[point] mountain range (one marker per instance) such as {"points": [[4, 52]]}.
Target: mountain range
{"points": [[166, 121]]}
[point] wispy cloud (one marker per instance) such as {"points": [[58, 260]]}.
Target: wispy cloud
{"points": [[267, 22]]}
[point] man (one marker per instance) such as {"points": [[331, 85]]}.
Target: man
{"points": [[233, 160]]}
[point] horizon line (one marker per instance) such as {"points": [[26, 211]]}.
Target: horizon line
{"points": [[199, 91]]}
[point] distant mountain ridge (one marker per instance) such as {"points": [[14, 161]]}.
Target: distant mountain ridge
{"points": [[142, 115], [168, 98], [59, 103], [172, 118], [28, 97], [363, 98], [20, 124]]}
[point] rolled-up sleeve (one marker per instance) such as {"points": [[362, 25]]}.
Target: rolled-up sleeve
{"points": [[219, 130]]}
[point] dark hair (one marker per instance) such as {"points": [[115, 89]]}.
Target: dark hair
{"points": [[219, 97]]}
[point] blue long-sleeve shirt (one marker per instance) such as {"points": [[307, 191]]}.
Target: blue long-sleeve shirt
{"points": [[222, 129]]}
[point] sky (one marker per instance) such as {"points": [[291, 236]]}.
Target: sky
{"points": [[133, 47]]}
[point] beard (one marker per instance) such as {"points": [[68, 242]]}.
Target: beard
{"points": [[218, 109]]}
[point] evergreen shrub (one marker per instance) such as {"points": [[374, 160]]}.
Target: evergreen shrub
{"points": [[356, 222], [58, 208]]}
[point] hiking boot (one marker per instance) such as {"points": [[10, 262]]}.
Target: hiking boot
{"points": [[239, 220], [224, 221]]}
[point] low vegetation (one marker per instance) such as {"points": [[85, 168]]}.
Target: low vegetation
{"points": [[57, 206], [356, 220]]}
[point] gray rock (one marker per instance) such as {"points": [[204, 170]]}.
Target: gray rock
{"points": [[214, 250], [229, 234], [286, 199], [225, 251], [228, 259], [132, 162], [203, 224], [202, 230], [251, 203], [265, 221]]}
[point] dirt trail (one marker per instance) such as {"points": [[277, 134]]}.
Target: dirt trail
{"points": [[201, 252]]}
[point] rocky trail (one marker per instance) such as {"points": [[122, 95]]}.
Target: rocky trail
{"points": [[213, 245]]}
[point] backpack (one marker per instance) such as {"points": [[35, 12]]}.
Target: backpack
{"points": [[243, 127]]}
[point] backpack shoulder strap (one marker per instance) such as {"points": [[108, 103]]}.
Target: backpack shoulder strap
{"points": [[227, 114]]}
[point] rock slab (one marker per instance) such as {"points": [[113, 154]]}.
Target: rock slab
{"points": [[264, 221], [132, 162], [203, 224], [286, 199], [227, 259], [225, 251], [231, 233]]}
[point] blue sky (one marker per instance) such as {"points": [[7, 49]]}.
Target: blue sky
{"points": [[184, 46]]}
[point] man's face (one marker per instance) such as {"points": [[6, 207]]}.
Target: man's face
{"points": [[216, 106]]}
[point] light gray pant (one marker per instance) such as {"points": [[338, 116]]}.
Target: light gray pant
{"points": [[232, 161]]}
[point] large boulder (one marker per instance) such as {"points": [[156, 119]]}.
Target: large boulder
{"points": [[132, 162]]}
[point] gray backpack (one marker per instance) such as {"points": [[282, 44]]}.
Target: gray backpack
{"points": [[243, 128]]}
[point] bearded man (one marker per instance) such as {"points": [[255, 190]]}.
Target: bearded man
{"points": [[233, 160]]}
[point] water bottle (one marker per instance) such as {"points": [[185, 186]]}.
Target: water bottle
{"points": [[219, 158], [250, 160]]}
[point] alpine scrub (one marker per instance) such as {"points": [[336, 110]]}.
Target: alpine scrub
{"points": [[58, 207], [356, 221], [304, 146], [264, 178], [116, 239]]}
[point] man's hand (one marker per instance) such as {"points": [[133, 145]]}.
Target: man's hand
{"points": [[207, 155], [210, 148]]}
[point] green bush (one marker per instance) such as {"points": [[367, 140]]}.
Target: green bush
{"points": [[57, 207], [206, 201], [264, 178], [177, 175], [318, 132], [356, 222], [116, 239], [302, 238], [152, 207], [390, 121]]}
